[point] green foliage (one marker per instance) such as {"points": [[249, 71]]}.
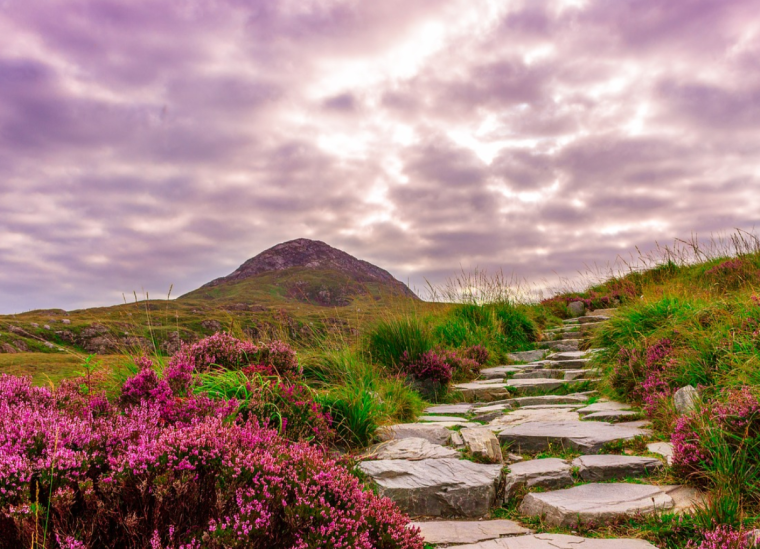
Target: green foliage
{"points": [[388, 339]]}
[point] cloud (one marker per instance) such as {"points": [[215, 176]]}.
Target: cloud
{"points": [[145, 144]]}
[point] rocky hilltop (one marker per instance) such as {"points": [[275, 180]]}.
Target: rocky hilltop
{"points": [[313, 255]]}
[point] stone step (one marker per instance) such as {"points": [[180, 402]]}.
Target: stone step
{"points": [[448, 532], [499, 372], [570, 321], [597, 503], [436, 487], [551, 474], [591, 319], [449, 409], [436, 434], [557, 541], [572, 364], [544, 400], [413, 449], [527, 356], [588, 437], [613, 416], [603, 406], [562, 345], [599, 468], [571, 355], [604, 312]]}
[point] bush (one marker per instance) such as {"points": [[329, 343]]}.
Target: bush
{"points": [[76, 475], [389, 340]]}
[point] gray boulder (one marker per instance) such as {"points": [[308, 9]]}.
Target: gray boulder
{"points": [[685, 399], [436, 487], [437, 434], [413, 449], [482, 443], [576, 309], [597, 503], [598, 468], [551, 473]]}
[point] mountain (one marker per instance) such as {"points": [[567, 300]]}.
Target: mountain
{"points": [[308, 271]]}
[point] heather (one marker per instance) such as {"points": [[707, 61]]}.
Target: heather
{"points": [[79, 471]]}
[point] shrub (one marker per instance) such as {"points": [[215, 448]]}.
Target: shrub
{"points": [[478, 353], [223, 351], [724, 537], [130, 478], [390, 340], [733, 273], [429, 366]]}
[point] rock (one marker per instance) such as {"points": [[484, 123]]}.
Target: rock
{"points": [[565, 364], [436, 487], [482, 443], [576, 309], [575, 398], [101, 345], [431, 432], [604, 406], [527, 356], [46, 326], [557, 541], [450, 409], [66, 321], [456, 440], [587, 437], [8, 348], [93, 330], [609, 467], [530, 415], [564, 345], [498, 372], [441, 419], [551, 473], [685, 399], [35, 325], [487, 417], [527, 386], [478, 390], [597, 503], [212, 325], [171, 344], [21, 346], [607, 313], [49, 345], [413, 449], [543, 373], [612, 416], [684, 497], [592, 319], [665, 449], [457, 531], [568, 355]]}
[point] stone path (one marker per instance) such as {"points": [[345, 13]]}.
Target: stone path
{"points": [[450, 464]]}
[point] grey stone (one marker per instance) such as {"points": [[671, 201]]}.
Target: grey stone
{"points": [[450, 409], [66, 321], [527, 356], [532, 415], [458, 531], [487, 417], [498, 372], [587, 437], [592, 319], [437, 434], [212, 325], [557, 541], [413, 449], [575, 398], [562, 345], [49, 345], [685, 399], [439, 419], [568, 355], [481, 391], [543, 373], [436, 487], [35, 325], [596, 503], [46, 326], [684, 497], [613, 416], [576, 309], [482, 443], [527, 386], [456, 440], [549, 473], [572, 375], [604, 406], [492, 408], [665, 449], [598, 468]]}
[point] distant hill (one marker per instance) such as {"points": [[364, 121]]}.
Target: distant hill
{"points": [[304, 270]]}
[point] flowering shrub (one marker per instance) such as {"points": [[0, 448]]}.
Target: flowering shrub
{"points": [[93, 476], [734, 421], [724, 537], [733, 273], [478, 353], [462, 367], [430, 366], [224, 351]]}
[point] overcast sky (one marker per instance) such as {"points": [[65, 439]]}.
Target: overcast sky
{"points": [[148, 143]]}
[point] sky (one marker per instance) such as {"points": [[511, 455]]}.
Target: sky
{"points": [[145, 144]]}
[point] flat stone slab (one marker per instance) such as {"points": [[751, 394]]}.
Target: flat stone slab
{"points": [[596, 503], [665, 449], [532, 385], [557, 541], [568, 355], [413, 449], [498, 372], [561, 345], [444, 419], [527, 356], [542, 373], [571, 364], [450, 409], [548, 399], [613, 416], [437, 434], [482, 443], [482, 391], [588, 437], [597, 468], [551, 473], [532, 415], [436, 487], [439, 532], [604, 406]]}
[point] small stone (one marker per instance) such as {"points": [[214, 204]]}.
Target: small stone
{"points": [[436, 487], [438, 419], [439, 532], [576, 309], [35, 325], [66, 321], [413, 449], [46, 326], [685, 399], [551, 473], [49, 345], [597, 503], [450, 409], [665, 449], [456, 440], [211, 325], [527, 356], [599, 468], [482, 443], [437, 434]]}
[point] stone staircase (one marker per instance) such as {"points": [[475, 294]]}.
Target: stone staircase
{"points": [[450, 464]]}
